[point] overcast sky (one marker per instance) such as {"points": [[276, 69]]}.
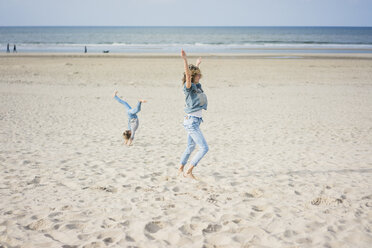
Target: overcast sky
{"points": [[186, 13]]}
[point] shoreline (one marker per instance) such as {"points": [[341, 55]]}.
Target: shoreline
{"points": [[194, 55]]}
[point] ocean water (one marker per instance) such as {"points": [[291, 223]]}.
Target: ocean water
{"points": [[191, 39]]}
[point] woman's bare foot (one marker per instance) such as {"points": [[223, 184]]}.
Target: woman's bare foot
{"points": [[180, 170], [189, 173]]}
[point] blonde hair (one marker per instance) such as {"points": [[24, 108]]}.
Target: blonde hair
{"points": [[194, 70], [127, 134]]}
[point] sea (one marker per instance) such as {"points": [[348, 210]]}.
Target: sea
{"points": [[240, 40]]}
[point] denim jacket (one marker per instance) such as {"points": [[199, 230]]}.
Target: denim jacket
{"points": [[195, 99]]}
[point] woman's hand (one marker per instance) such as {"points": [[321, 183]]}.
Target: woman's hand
{"points": [[198, 62], [187, 71], [115, 93], [183, 54], [142, 100]]}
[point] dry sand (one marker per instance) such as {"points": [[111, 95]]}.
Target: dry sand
{"points": [[289, 164]]}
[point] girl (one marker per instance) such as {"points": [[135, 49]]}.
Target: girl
{"points": [[196, 101], [132, 118]]}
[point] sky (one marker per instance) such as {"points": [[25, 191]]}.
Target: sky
{"points": [[186, 13]]}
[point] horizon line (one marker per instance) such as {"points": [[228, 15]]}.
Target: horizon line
{"points": [[160, 26]]}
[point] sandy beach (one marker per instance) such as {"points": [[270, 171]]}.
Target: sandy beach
{"points": [[289, 164]]}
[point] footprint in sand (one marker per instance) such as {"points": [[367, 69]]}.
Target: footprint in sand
{"points": [[73, 226], [83, 237], [109, 189], [171, 164], [212, 199], [135, 199], [56, 227], [186, 229], [254, 193], [149, 236], [368, 197], [159, 198], [323, 200], [26, 162], [35, 181], [54, 214], [39, 225], [129, 238], [211, 228], [93, 245], [138, 188], [125, 223], [66, 207], [108, 241], [50, 236], [258, 208], [289, 233], [304, 240], [167, 206], [154, 226]]}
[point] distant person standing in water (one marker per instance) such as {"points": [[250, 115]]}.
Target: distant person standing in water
{"points": [[85, 49], [14, 49], [7, 48], [195, 102]]}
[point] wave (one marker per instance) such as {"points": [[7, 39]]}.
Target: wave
{"points": [[205, 45]]}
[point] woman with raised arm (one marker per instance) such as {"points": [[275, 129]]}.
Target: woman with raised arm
{"points": [[195, 102], [132, 118]]}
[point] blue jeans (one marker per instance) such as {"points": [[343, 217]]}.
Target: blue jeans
{"points": [[133, 125], [195, 136]]}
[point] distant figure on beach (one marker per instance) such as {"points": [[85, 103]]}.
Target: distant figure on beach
{"points": [[7, 48], [196, 101], [132, 118], [14, 49], [106, 51], [85, 49]]}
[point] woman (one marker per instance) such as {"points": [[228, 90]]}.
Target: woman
{"points": [[132, 118], [196, 101]]}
